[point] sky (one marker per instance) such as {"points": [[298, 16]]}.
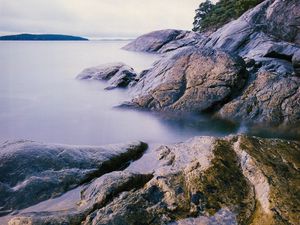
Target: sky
{"points": [[95, 18]]}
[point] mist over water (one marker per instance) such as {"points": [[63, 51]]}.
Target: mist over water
{"points": [[41, 100]]}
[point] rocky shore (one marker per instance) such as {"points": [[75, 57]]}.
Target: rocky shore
{"points": [[245, 72], [205, 180]]}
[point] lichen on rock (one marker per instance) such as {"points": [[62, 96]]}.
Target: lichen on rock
{"points": [[238, 179]]}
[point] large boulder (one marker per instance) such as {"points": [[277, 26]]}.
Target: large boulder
{"points": [[31, 172], [162, 41], [190, 80], [272, 97], [205, 180], [117, 74]]}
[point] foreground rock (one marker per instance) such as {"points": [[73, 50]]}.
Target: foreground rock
{"points": [[206, 180], [162, 41], [232, 180], [117, 74], [190, 80], [31, 172]]}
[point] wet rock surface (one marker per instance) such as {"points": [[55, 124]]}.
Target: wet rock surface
{"points": [[205, 180], [117, 74], [31, 172], [190, 80]]}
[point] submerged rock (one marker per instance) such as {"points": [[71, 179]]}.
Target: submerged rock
{"points": [[205, 180], [31, 172], [190, 80], [162, 41], [117, 74]]}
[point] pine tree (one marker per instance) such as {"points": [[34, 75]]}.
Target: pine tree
{"points": [[201, 12], [209, 16]]}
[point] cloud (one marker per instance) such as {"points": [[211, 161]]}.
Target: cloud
{"points": [[95, 18]]}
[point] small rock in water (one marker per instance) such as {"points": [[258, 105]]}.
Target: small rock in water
{"points": [[117, 74]]}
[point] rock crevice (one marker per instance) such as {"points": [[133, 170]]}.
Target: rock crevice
{"points": [[234, 180]]}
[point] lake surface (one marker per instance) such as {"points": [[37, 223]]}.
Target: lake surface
{"points": [[41, 100]]}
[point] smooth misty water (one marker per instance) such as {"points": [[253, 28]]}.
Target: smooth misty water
{"points": [[41, 100]]}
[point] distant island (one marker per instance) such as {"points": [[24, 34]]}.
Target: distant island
{"points": [[41, 37]]}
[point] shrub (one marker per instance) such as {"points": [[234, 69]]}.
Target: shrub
{"points": [[211, 16]]}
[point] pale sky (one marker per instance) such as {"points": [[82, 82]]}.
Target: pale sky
{"points": [[95, 18]]}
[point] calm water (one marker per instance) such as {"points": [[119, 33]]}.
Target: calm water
{"points": [[41, 100]]}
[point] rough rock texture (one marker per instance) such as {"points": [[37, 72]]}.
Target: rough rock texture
{"points": [[117, 74], [272, 97], [296, 62], [268, 39], [162, 41], [206, 180], [272, 167], [190, 79], [93, 197], [31, 172], [271, 28]]}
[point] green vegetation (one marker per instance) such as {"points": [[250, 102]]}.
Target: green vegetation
{"points": [[210, 17]]}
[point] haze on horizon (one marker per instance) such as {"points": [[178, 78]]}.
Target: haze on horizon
{"points": [[95, 18]]}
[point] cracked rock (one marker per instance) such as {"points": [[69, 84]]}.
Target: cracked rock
{"points": [[190, 80]]}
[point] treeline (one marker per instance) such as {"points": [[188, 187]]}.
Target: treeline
{"points": [[211, 16]]}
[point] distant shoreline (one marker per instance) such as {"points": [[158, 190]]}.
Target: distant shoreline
{"points": [[42, 37]]}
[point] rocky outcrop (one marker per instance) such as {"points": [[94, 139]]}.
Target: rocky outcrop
{"points": [[205, 180], [269, 29], [272, 97], [117, 74], [267, 37], [31, 172], [162, 41], [296, 62], [190, 80]]}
